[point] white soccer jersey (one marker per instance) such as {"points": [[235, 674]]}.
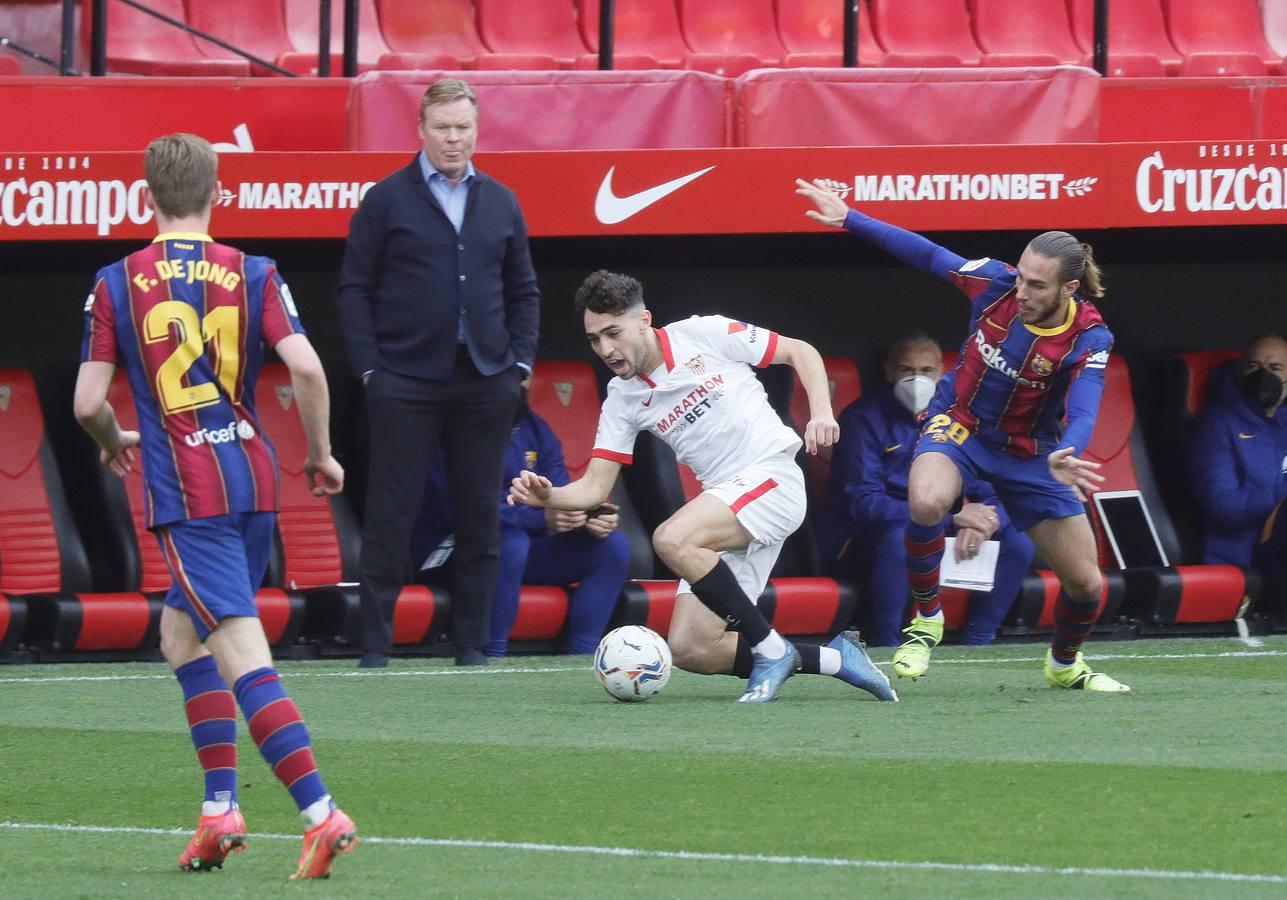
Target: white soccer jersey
{"points": [[703, 400]]}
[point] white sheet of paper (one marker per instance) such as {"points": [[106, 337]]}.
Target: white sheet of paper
{"points": [[977, 574]]}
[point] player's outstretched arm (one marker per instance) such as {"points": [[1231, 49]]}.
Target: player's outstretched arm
{"points": [[908, 246], [96, 416], [586, 493], [1078, 474], [313, 399], [822, 430]]}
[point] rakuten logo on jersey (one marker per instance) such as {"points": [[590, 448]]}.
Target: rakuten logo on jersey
{"points": [[236, 430], [34, 203], [1215, 189], [994, 360], [941, 188]]}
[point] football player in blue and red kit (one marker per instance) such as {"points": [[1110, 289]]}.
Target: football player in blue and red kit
{"points": [[1036, 356], [188, 319]]}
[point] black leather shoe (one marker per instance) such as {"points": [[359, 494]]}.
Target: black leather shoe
{"points": [[373, 661], [471, 657]]}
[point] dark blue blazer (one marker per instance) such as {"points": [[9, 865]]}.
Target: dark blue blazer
{"points": [[407, 277]]}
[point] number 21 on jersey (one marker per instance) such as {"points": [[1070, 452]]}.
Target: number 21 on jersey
{"points": [[220, 327]]}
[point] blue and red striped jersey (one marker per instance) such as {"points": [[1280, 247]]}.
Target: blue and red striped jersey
{"points": [[188, 319], [1014, 384]]}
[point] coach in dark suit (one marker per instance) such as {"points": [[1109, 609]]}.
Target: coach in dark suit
{"points": [[440, 310]]}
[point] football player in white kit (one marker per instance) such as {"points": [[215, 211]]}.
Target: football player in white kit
{"points": [[690, 383]]}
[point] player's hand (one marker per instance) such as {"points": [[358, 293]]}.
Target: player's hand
{"points": [[325, 477], [529, 489], [1078, 474], [968, 542], [822, 431], [831, 209], [120, 459], [977, 517], [604, 525], [561, 520]]}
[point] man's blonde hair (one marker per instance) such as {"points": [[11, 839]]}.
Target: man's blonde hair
{"points": [[181, 171], [447, 90]]}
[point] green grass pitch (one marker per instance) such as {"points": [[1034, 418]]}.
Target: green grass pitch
{"points": [[527, 780]]}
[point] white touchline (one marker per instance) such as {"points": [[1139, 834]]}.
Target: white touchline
{"points": [[292, 674], [773, 860], [611, 209]]}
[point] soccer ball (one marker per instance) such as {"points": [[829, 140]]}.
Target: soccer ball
{"points": [[632, 662]]}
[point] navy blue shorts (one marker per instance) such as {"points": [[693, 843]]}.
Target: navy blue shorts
{"points": [[1025, 487], [217, 564]]}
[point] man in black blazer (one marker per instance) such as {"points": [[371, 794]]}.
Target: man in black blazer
{"points": [[440, 309]]}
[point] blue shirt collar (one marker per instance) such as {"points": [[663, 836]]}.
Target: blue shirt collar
{"points": [[428, 171]]}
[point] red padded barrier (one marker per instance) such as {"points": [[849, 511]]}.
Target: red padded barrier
{"points": [[5, 618], [1210, 593], [868, 107], [1134, 27], [925, 26], [1162, 110], [566, 395], [726, 65], [30, 560], [804, 605], [1024, 27], [647, 27], [9, 66], [542, 610], [112, 621], [154, 574], [661, 604], [1219, 26], [413, 614], [310, 542], [274, 612], [519, 110]]}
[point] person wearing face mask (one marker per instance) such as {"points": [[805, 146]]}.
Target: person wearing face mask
{"points": [[537, 546], [862, 529], [1238, 462]]}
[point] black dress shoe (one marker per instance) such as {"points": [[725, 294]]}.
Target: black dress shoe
{"points": [[373, 661], [471, 657]]}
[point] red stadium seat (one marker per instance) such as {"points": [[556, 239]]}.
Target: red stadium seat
{"points": [[645, 29], [301, 22], [252, 25], [144, 45], [927, 26], [1135, 27], [425, 35], [1021, 59], [903, 60], [1206, 65], [846, 386], [623, 61], [728, 34], [9, 66], [1219, 26], [1024, 27], [1130, 65], [813, 33], [546, 27]]}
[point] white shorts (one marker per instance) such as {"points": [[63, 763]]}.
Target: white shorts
{"points": [[769, 501]]}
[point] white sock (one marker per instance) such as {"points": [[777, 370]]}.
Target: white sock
{"points": [[937, 617], [772, 647], [828, 660], [317, 811], [215, 807], [1056, 664]]}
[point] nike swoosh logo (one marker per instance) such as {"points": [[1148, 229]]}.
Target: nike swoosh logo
{"points": [[647, 402], [610, 209], [1245, 436], [893, 448]]}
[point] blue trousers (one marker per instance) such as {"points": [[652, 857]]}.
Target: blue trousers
{"points": [[599, 564], [879, 552]]}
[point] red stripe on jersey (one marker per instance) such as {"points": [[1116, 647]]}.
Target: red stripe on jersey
{"points": [[769, 351], [970, 285], [624, 458], [667, 354], [181, 577], [218, 756], [754, 493], [102, 339], [272, 718], [211, 706], [294, 766]]}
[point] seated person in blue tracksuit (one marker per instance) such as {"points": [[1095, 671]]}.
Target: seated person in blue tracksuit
{"points": [[861, 530], [1238, 461], [537, 546]]}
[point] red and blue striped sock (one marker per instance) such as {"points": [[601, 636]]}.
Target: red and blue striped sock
{"points": [[924, 545], [280, 733], [212, 719], [1073, 621]]}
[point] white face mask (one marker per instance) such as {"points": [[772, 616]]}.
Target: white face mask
{"points": [[915, 392]]}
